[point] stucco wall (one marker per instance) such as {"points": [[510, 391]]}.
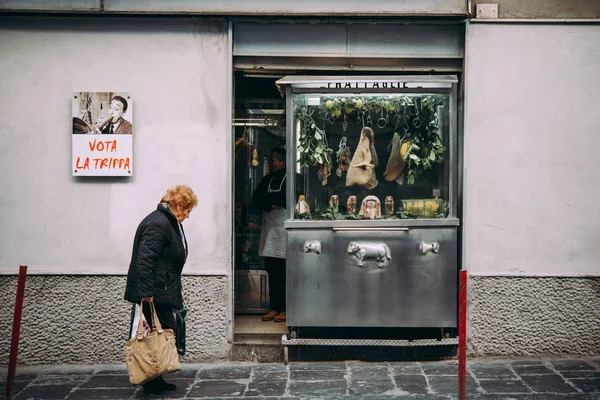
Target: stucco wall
{"points": [[532, 316], [531, 149], [178, 74], [84, 320]]}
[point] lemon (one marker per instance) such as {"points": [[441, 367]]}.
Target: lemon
{"points": [[359, 103], [420, 206], [348, 110], [386, 105], [329, 104], [404, 148], [431, 207], [337, 113]]}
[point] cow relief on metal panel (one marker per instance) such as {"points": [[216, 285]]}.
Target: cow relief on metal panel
{"points": [[312, 247], [364, 251]]}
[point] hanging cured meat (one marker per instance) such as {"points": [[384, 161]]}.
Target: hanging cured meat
{"points": [[362, 168], [395, 165], [343, 156]]}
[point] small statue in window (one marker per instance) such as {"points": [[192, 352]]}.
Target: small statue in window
{"points": [[370, 207], [389, 205], [351, 205], [334, 203]]}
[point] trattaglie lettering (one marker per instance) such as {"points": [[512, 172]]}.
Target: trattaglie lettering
{"points": [[366, 85]]}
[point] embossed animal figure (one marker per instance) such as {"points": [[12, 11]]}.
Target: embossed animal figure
{"points": [[313, 247], [366, 250]]}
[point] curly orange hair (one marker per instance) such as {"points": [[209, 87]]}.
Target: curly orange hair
{"points": [[180, 195]]}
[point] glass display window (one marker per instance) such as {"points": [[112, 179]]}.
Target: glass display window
{"points": [[378, 149]]}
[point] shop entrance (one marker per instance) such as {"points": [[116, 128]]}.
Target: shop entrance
{"points": [[259, 127], [265, 53]]}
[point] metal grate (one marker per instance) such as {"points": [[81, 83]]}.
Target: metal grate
{"points": [[368, 342]]}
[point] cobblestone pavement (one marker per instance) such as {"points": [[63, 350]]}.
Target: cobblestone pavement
{"points": [[547, 379]]}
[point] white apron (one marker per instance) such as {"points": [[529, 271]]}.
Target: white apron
{"points": [[272, 235]]}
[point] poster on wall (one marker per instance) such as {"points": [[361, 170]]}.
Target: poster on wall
{"points": [[102, 136]]}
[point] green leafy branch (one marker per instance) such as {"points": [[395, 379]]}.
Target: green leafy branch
{"points": [[312, 145]]}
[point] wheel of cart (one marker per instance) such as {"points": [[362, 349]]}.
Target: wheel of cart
{"points": [[293, 334]]}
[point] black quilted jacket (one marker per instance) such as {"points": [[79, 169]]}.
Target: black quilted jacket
{"points": [[157, 260]]}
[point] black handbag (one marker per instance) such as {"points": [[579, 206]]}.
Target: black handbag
{"points": [[180, 330]]}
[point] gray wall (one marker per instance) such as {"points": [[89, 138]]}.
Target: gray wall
{"points": [[531, 149], [531, 171], [178, 73], [84, 319]]}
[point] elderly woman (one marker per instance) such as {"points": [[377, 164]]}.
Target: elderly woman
{"points": [[159, 253]]}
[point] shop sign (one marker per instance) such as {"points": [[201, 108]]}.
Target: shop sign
{"points": [[366, 85], [102, 134], [371, 83]]}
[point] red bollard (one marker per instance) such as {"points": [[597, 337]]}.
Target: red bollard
{"points": [[462, 335], [14, 344]]}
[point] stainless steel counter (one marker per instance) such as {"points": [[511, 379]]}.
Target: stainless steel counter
{"points": [[371, 274]]}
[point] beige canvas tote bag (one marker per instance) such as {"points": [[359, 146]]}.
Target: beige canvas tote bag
{"points": [[148, 357]]}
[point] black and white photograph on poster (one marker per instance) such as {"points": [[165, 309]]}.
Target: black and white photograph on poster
{"points": [[102, 134]]}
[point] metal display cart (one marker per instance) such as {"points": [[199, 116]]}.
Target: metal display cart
{"points": [[353, 267]]}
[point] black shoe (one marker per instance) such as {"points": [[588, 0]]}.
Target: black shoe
{"points": [[153, 387], [164, 385]]}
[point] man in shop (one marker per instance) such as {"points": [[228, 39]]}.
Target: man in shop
{"points": [[118, 124], [270, 197]]}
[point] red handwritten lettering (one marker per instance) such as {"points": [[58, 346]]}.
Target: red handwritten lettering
{"points": [[110, 146], [86, 163], [112, 163]]}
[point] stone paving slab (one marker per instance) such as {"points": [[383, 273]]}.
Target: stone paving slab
{"points": [[412, 384], [492, 371], [548, 384], [572, 365], [498, 386], [372, 387], [532, 369], [493, 379]]}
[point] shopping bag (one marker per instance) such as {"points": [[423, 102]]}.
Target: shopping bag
{"points": [[137, 313], [148, 357], [180, 330]]}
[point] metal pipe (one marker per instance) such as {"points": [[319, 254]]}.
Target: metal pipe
{"points": [[290, 150], [462, 334], [370, 229], [231, 177], [14, 344]]}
